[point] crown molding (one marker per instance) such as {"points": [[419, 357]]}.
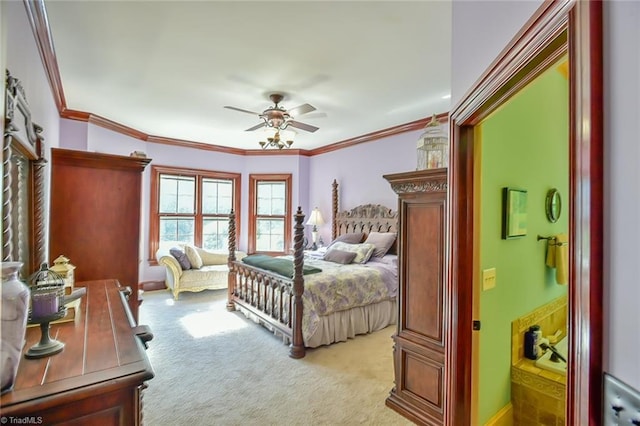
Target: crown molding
{"points": [[269, 152], [195, 145], [384, 133], [116, 127], [37, 14]]}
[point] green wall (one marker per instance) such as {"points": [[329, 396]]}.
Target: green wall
{"points": [[524, 144]]}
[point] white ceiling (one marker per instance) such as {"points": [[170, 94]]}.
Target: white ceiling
{"points": [[167, 68]]}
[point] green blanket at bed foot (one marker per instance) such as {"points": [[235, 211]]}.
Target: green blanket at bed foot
{"points": [[279, 265]]}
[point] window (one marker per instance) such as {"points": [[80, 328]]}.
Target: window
{"points": [[192, 206], [270, 213]]}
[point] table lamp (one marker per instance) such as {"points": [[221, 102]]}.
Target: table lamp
{"points": [[315, 219]]}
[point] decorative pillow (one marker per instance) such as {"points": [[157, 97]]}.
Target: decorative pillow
{"points": [[181, 257], [387, 259], [193, 256], [383, 242], [340, 256], [363, 251], [351, 238], [212, 257]]}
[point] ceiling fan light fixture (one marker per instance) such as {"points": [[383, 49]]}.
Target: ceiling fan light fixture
{"points": [[279, 118], [276, 142], [276, 118]]}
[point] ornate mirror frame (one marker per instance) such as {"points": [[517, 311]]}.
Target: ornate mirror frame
{"points": [[553, 205], [23, 182]]}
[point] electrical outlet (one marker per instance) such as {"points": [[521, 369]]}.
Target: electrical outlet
{"points": [[621, 403], [488, 278]]}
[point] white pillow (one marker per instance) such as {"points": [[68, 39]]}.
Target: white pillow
{"points": [[193, 256], [212, 258], [363, 251]]}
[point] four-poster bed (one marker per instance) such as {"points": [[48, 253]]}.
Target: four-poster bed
{"points": [[340, 302]]}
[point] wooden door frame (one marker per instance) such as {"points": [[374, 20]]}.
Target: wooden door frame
{"points": [[530, 52]]}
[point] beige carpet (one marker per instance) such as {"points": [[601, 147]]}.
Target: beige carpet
{"points": [[215, 367]]}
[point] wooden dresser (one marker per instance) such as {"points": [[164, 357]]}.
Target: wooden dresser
{"points": [[419, 343], [99, 376], [95, 215]]}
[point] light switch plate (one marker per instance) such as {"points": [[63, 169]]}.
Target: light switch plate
{"points": [[488, 278], [621, 403]]}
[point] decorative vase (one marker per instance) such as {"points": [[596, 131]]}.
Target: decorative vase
{"points": [[15, 308]]}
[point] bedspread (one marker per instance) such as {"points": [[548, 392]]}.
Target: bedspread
{"points": [[342, 287]]}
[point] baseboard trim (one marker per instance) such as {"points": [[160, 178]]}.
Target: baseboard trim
{"points": [[152, 285], [504, 417]]}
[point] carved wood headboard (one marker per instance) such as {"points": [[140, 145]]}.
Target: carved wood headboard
{"points": [[367, 218], [364, 218]]}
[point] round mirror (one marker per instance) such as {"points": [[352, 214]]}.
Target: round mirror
{"points": [[553, 205]]}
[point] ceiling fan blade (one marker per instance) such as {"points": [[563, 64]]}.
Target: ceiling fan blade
{"points": [[316, 114], [242, 110], [256, 127], [303, 126], [301, 109]]}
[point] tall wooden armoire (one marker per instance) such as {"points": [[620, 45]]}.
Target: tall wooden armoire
{"points": [[419, 343], [95, 216]]}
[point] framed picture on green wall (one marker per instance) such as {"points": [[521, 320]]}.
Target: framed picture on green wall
{"points": [[514, 213]]}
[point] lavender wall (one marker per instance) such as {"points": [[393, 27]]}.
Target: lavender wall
{"points": [[73, 134], [481, 30], [23, 61], [99, 139], [359, 170], [622, 177], [21, 58]]}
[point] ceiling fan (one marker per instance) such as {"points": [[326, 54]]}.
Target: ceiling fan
{"points": [[278, 117]]}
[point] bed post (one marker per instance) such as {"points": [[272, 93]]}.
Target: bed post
{"points": [[297, 342], [334, 209], [231, 283]]}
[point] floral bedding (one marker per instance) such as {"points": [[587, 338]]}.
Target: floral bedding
{"points": [[342, 287]]}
